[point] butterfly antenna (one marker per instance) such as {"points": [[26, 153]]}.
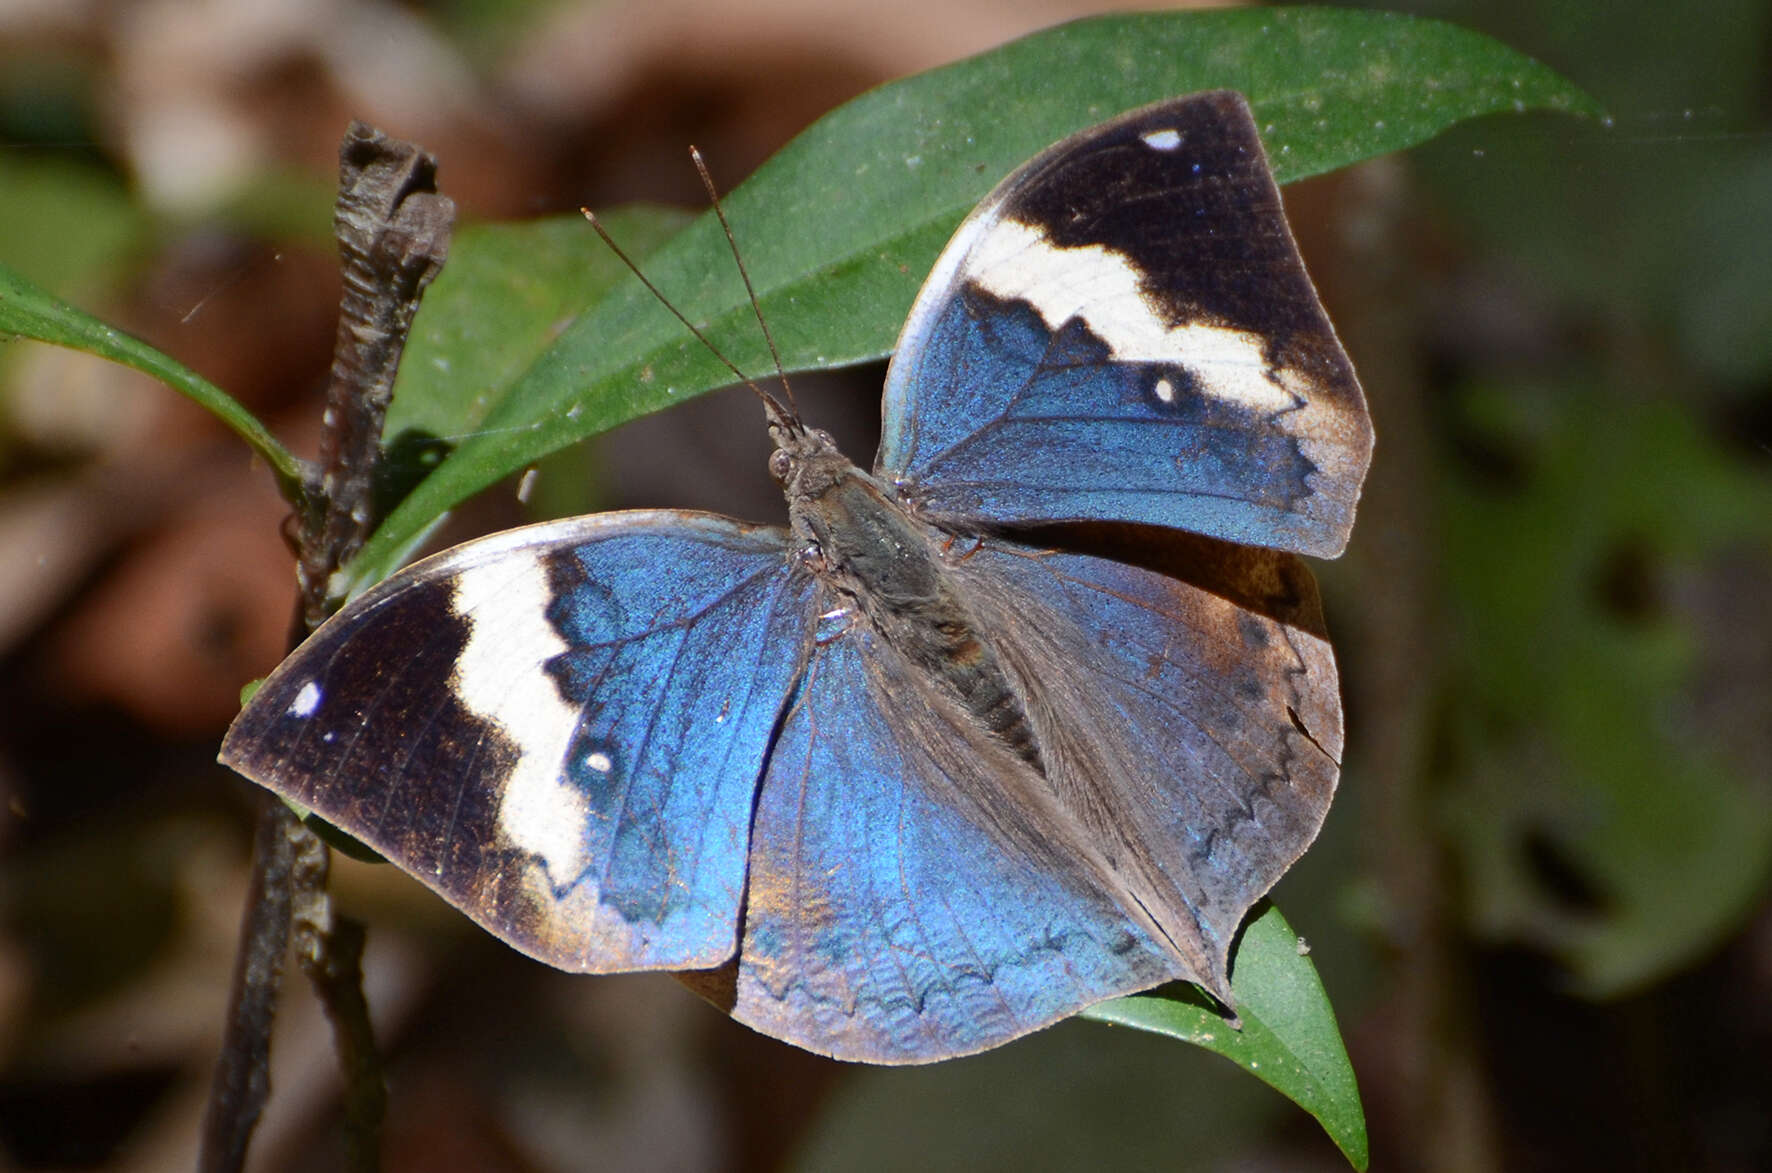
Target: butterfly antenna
{"points": [[769, 400], [707, 181]]}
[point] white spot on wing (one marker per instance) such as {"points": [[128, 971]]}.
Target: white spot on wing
{"points": [[307, 699], [1101, 287], [1163, 140], [501, 676]]}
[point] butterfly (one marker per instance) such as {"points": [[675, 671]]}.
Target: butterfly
{"points": [[1025, 718]]}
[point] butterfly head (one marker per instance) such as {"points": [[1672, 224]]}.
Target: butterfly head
{"points": [[806, 461]]}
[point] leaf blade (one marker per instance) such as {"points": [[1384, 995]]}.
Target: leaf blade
{"points": [[856, 208], [1289, 1038], [31, 312]]}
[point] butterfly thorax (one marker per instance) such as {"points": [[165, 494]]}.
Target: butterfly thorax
{"points": [[893, 570]]}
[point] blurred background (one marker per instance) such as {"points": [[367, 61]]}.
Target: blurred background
{"points": [[1538, 905]]}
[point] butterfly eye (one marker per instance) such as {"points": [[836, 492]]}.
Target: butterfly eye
{"points": [[780, 465]]}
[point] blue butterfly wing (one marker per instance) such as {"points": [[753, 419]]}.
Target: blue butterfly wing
{"points": [[912, 898], [1124, 331], [1191, 685], [884, 923], [560, 729]]}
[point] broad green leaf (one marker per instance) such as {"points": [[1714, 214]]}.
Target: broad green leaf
{"points": [[501, 301], [30, 312], [1288, 1039], [840, 227]]}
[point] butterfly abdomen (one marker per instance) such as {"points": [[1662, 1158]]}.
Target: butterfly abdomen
{"points": [[966, 662]]}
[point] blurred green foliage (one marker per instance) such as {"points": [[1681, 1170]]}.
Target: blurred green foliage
{"points": [[1598, 812], [1603, 489]]}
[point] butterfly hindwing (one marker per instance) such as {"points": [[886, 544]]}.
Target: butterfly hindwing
{"points": [[917, 893], [887, 921], [1200, 725], [558, 728], [1124, 331]]}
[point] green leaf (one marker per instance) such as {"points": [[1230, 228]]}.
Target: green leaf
{"points": [[1289, 1039], [840, 227], [30, 312], [501, 301]]}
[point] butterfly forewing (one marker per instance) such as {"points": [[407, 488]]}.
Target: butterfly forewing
{"points": [[1124, 331], [558, 728]]}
